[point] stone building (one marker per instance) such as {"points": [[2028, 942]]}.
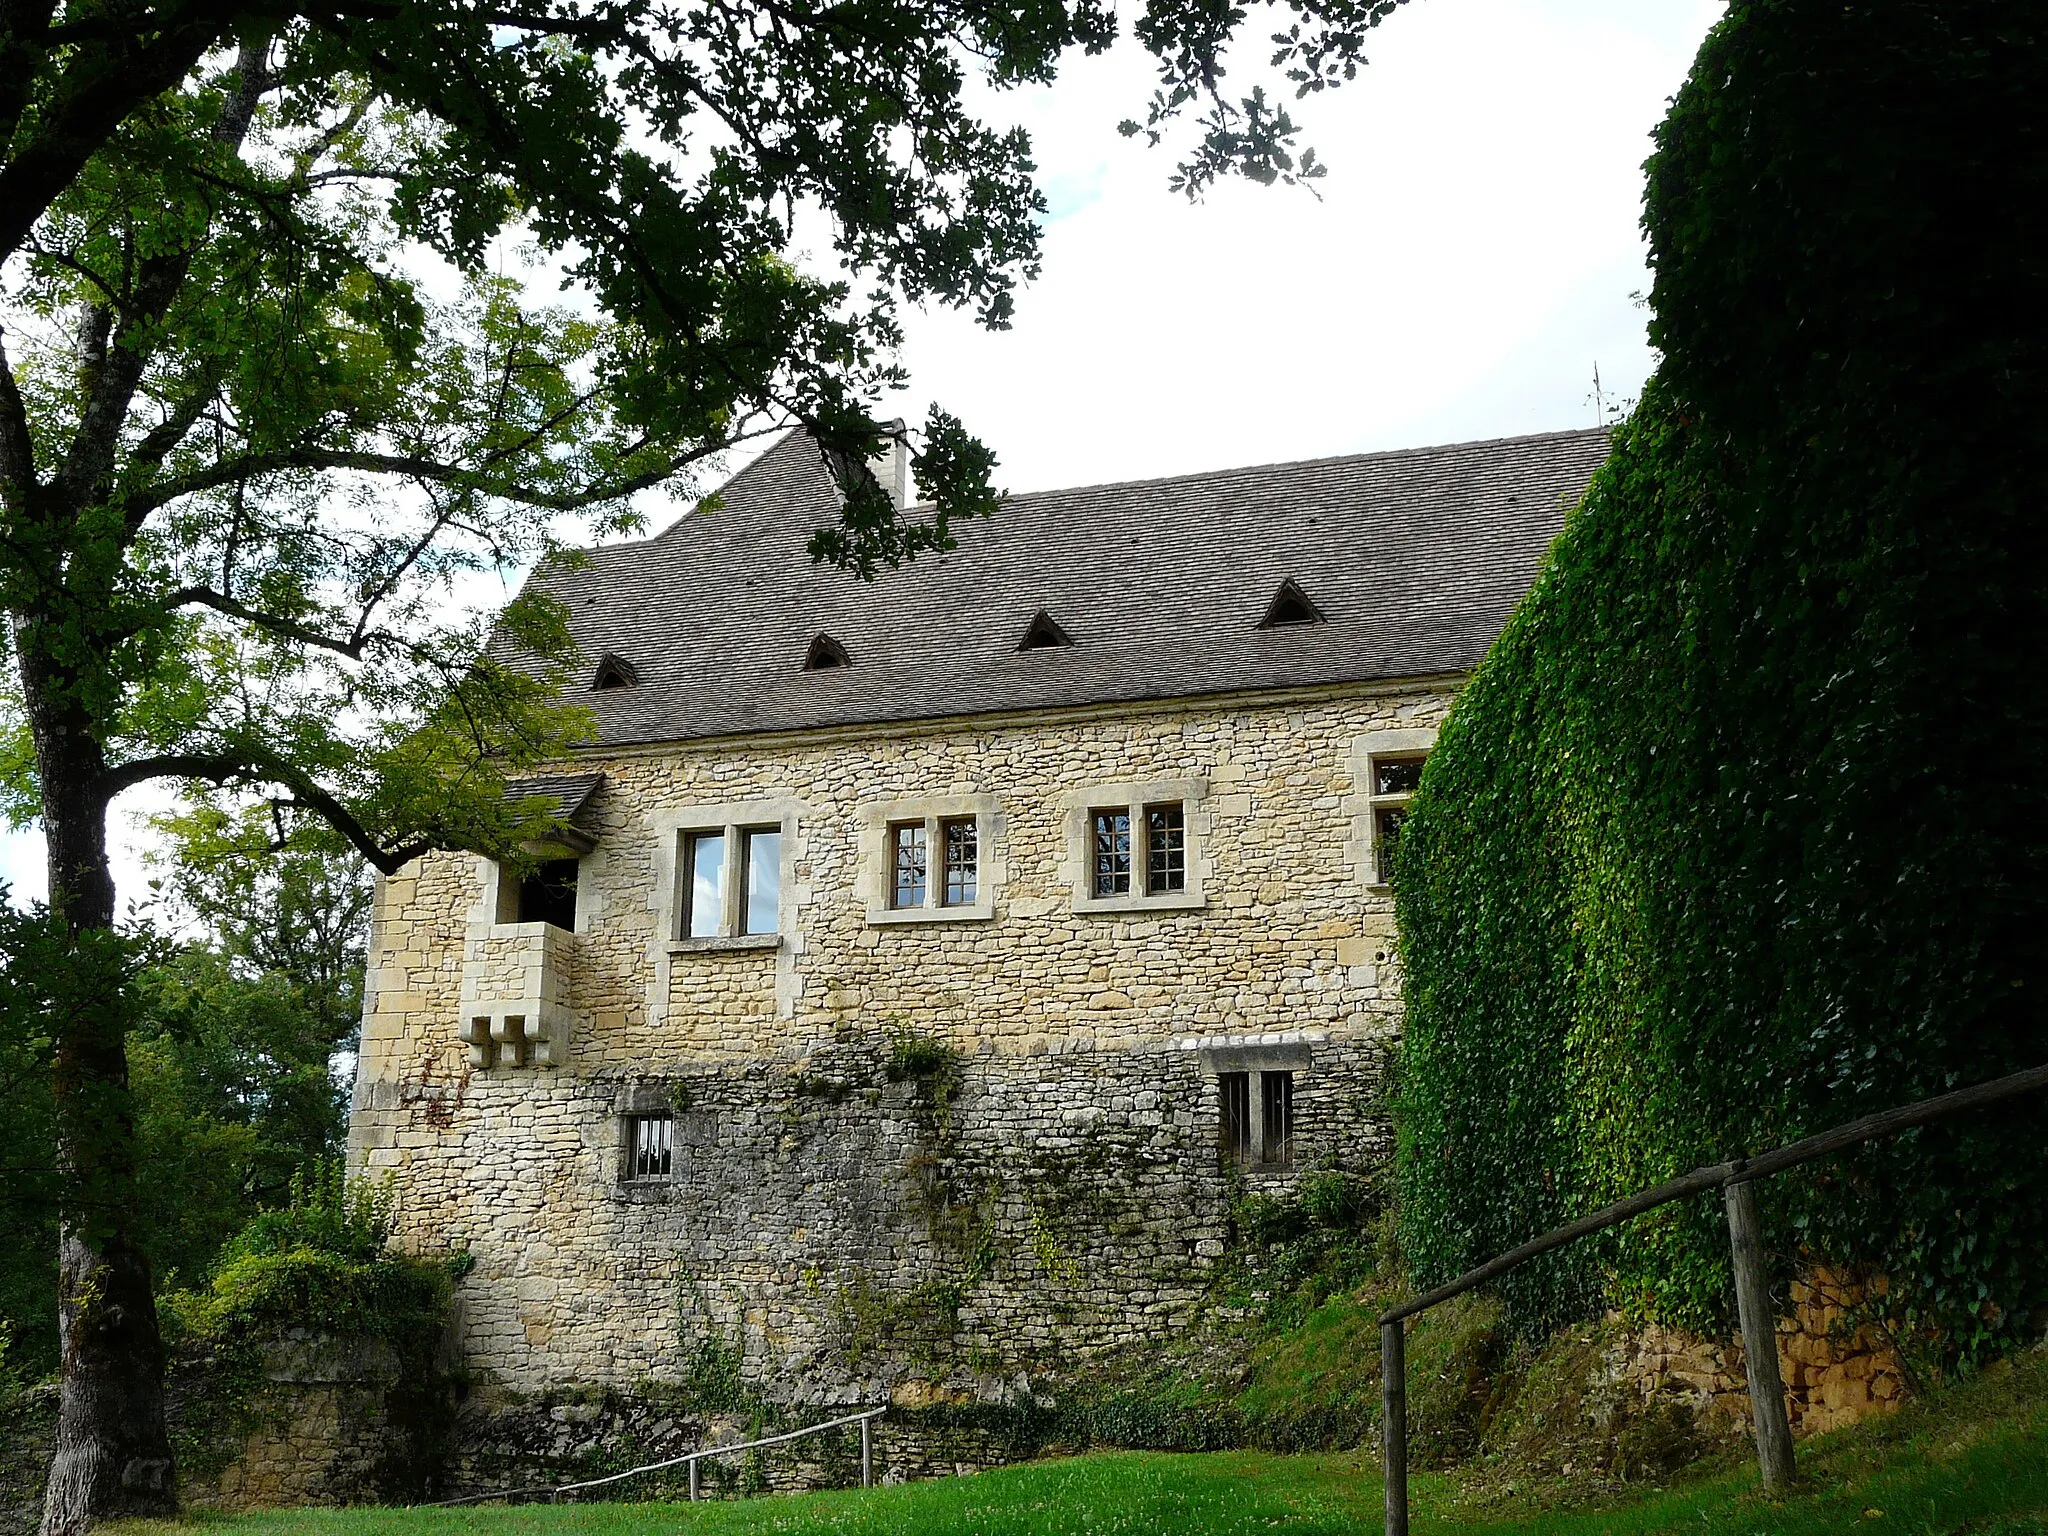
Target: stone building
{"points": [[931, 961]]}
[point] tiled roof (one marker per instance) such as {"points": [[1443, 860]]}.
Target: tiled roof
{"points": [[571, 794], [1414, 559]]}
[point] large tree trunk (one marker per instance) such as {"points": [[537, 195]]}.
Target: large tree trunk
{"points": [[113, 1455]]}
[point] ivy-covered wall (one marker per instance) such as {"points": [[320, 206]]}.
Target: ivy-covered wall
{"points": [[1741, 830]]}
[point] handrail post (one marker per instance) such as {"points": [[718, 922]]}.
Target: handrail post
{"points": [[693, 1479], [1759, 1339], [867, 1453], [1394, 1422]]}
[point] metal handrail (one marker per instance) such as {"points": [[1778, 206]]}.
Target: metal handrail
{"points": [[1736, 1179], [865, 1418]]}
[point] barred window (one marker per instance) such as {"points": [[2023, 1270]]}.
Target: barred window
{"points": [[1235, 1092], [908, 855], [962, 838], [1256, 1122], [1276, 1120], [650, 1146], [1110, 844], [1166, 849]]}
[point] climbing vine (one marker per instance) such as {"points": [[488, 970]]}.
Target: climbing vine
{"points": [[1741, 828]]}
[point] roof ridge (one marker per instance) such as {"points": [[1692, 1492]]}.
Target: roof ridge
{"points": [[1194, 476]]}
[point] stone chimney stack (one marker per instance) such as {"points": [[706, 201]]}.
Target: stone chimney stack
{"points": [[892, 465]]}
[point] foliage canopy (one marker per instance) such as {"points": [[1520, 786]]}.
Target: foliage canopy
{"points": [[1741, 830]]}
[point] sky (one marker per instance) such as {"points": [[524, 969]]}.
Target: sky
{"points": [[1473, 255]]}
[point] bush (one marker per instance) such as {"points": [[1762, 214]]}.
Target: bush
{"points": [[1741, 829]]}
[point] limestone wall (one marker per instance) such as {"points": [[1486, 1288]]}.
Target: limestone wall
{"points": [[1046, 1183]]}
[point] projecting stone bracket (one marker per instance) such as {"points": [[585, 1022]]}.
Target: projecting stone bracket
{"points": [[517, 1035]]}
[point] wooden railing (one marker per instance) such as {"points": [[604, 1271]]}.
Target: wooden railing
{"points": [[1737, 1180], [865, 1419]]}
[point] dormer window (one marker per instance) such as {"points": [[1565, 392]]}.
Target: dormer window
{"points": [[1290, 605], [614, 672], [1043, 631], [826, 652]]}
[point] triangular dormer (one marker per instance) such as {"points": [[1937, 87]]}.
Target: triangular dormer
{"points": [[825, 652], [614, 672], [1042, 631], [1290, 605]]}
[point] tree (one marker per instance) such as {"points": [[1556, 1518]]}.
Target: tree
{"points": [[251, 447]]}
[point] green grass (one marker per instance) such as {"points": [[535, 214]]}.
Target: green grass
{"points": [[1974, 1460]]}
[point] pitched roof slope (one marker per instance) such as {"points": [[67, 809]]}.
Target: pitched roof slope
{"points": [[1414, 559]]}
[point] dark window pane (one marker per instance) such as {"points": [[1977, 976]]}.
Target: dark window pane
{"points": [[704, 886], [1111, 852], [651, 1154], [1235, 1091], [762, 880], [1166, 853], [548, 895], [1386, 837], [907, 866], [1396, 775], [963, 860], [1276, 1112]]}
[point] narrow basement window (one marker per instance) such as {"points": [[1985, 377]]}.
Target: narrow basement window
{"points": [[1276, 1119], [1255, 1128], [650, 1147], [1234, 1090]]}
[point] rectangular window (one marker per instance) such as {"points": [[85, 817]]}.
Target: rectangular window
{"points": [[962, 839], [1166, 849], [1393, 781], [1276, 1118], [1235, 1092], [1110, 846], [1386, 840], [650, 1147], [704, 891], [762, 880], [548, 895], [908, 866]]}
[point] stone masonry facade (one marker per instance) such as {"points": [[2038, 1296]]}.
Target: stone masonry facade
{"points": [[917, 1156]]}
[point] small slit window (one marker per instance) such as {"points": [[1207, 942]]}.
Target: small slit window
{"points": [[650, 1147], [1290, 605], [826, 653], [1043, 631]]}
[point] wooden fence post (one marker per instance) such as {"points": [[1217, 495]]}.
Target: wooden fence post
{"points": [[1759, 1339], [867, 1454], [693, 1479], [1394, 1422]]}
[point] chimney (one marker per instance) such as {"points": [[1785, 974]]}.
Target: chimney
{"points": [[892, 465]]}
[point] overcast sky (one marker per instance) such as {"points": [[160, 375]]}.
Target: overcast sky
{"points": [[1473, 255]]}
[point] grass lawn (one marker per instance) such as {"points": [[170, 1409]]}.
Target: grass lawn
{"points": [[1974, 1460]]}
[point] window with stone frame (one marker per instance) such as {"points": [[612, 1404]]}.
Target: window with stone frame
{"points": [[1255, 1119], [1392, 779], [729, 882], [1133, 847], [926, 860], [649, 1146]]}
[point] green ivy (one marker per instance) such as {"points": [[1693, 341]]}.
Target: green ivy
{"points": [[1741, 828]]}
